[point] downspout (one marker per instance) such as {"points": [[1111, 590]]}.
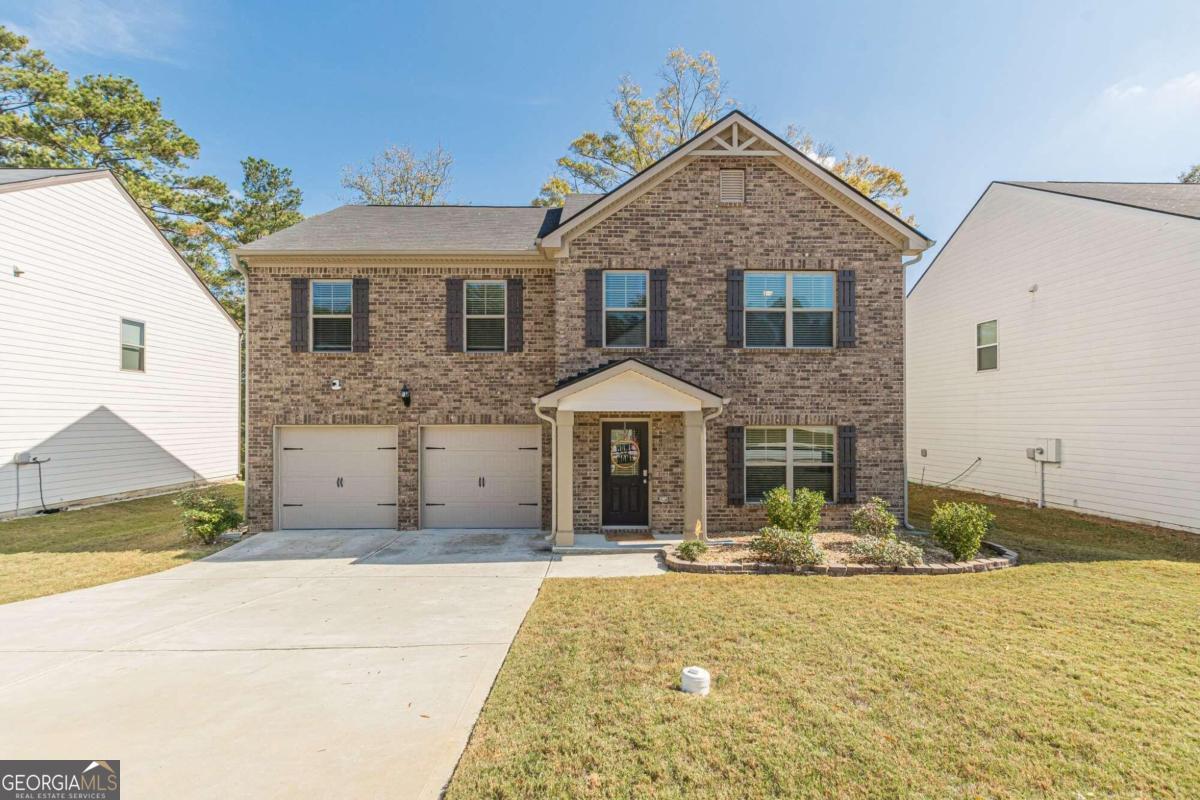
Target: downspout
{"points": [[904, 523], [553, 467]]}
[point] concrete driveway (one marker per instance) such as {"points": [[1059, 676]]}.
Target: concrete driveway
{"points": [[339, 663]]}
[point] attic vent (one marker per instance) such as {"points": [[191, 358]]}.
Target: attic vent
{"points": [[733, 186]]}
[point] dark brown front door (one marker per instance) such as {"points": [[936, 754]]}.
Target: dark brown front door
{"points": [[625, 473]]}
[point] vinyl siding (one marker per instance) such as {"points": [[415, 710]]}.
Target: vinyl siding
{"points": [[1104, 355], [90, 259]]}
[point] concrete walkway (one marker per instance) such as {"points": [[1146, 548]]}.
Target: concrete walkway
{"points": [[338, 663]]}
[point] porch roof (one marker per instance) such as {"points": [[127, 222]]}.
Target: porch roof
{"points": [[628, 385]]}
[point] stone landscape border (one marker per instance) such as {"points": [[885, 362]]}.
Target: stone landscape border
{"points": [[1002, 559]]}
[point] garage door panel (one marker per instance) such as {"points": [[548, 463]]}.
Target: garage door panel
{"points": [[334, 515], [337, 477], [331, 462], [481, 515], [454, 458]]}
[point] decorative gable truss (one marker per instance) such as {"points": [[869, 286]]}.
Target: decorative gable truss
{"points": [[736, 135]]}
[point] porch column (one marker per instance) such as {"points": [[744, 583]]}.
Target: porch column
{"points": [[564, 470], [695, 455]]}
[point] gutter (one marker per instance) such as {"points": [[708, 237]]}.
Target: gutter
{"points": [[904, 523]]}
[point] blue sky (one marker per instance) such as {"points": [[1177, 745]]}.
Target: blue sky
{"points": [[954, 94]]}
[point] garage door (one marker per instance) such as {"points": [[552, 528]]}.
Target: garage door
{"points": [[332, 476], [481, 476]]}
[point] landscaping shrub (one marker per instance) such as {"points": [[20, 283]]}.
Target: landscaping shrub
{"points": [[690, 551], [794, 511], [206, 514], [781, 546], [887, 550], [960, 527], [872, 518]]}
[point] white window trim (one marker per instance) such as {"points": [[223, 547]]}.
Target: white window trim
{"points": [[312, 341], [789, 460], [605, 308], [121, 344], [995, 344], [503, 315], [788, 311]]}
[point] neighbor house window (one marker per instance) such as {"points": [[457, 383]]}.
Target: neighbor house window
{"points": [[793, 457], [985, 346], [625, 309], [485, 312], [789, 309], [332, 316], [133, 346]]}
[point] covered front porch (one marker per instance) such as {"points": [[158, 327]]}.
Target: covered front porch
{"points": [[629, 455]]}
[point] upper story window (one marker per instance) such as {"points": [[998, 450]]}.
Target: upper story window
{"points": [[332, 316], [985, 346], [792, 457], [789, 309], [485, 316], [133, 346], [625, 309]]}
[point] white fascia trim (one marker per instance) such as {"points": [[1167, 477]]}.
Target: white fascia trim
{"points": [[706, 399]]}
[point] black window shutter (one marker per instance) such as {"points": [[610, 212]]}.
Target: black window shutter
{"points": [[658, 308], [516, 315], [734, 299], [735, 464], [847, 463], [361, 339], [847, 309], [454, 314], [299, 315], [593, 308]]}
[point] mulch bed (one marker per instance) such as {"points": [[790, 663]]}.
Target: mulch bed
{"points": [[735, 557]]}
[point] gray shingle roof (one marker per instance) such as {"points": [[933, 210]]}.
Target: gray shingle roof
{"points": [[574, 203], [414, 228], [8, 176], [1171, 198]]}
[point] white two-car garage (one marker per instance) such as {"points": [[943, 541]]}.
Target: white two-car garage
{"points": [[471, 476], [481, 476]]}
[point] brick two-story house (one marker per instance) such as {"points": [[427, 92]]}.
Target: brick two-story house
{"points": [[728, 320]]}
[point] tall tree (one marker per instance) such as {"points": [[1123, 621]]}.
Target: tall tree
{"points": [[1190, 175], [106, 122], [398, 177], [269, 203], [691, 96]]}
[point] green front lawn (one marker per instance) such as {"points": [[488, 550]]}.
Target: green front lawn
{"points": [[1075, 675], [74, 549]]}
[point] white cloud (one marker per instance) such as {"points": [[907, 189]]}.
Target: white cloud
{"points": [[1181, 93], [144, 30]]}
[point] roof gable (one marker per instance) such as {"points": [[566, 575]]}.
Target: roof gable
{"points": [[628, 385], [738, 135], [1180, 199]]}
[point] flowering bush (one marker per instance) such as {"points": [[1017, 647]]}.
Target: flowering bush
{"points": [[781, 546], [207, 514], [960, 527], [794, 511], [873, 518]]}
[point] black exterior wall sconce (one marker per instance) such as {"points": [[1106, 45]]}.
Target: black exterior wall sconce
{"points": [[405, 395]]}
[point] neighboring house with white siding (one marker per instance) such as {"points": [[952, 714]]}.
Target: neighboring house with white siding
{"points": [[120, 367], [1064, 313]]}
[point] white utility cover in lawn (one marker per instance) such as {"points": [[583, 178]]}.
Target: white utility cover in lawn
{"points": [[481, 476], [334, 476]]}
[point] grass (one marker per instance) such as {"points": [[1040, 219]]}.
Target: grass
{"points": [[75, 549], [1074, 675]]}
